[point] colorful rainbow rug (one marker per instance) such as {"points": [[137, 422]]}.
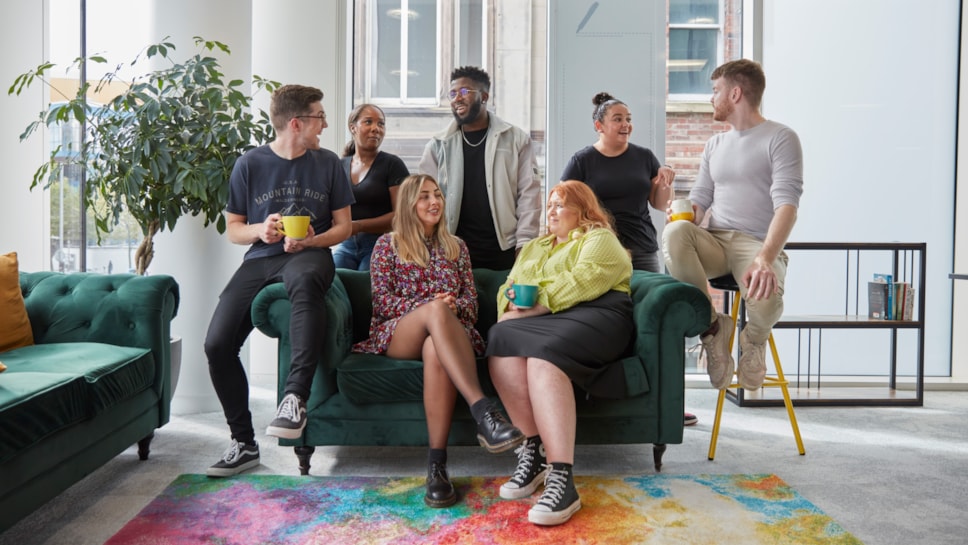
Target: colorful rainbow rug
{"points": [[278, 510]]}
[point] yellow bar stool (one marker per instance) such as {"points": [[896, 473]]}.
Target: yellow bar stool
{"points": [[730, 290]]}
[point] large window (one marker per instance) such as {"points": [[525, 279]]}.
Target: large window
{"points": [[70, 247], [695, 47], [405, 48]]}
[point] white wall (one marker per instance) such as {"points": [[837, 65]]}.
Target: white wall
{"points": [[872, 97], [24, 223]]}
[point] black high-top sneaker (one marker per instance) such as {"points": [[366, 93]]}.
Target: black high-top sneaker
{"points": [[530, 473], [559, 501]]}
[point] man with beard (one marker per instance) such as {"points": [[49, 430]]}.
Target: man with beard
{"points": [[488, 173], [748, 189]]}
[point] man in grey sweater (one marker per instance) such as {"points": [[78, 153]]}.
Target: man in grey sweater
{"points": [[745, 199]]}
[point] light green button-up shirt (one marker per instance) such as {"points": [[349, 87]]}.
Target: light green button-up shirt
{"points": [[582, 269]]}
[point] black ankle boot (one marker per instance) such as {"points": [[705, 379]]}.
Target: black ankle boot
{"points": [[440, 493], [496, 434]]}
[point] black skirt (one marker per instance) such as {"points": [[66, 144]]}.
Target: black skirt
{"points": [[585, 341]]}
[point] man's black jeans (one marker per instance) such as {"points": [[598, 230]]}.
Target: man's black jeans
{"points": [[307, 276]]}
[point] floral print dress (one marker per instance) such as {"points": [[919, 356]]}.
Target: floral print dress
{"points": [[399, 287]]}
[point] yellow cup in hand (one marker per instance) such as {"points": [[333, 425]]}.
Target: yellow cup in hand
{"points": [[295, 227], [682, 210]]}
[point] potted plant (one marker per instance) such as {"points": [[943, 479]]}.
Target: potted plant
{"points": [[162, 147]]}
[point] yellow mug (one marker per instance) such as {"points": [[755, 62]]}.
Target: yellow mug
{"points": [[295, 227], [682, 210]]}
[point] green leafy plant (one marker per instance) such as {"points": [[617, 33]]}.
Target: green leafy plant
{"points": [[164, 147]]}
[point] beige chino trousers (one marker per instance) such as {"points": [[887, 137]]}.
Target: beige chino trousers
{"points": [[694, 255]]}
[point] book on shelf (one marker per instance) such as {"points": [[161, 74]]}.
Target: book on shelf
{"points": [[877, 300], [903, 301], [889, 300], [888, 281]]}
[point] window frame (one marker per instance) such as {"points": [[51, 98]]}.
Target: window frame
{"points": [[719, 27], [447, 32]]}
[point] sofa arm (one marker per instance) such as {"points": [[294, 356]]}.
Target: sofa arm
{"points": [[666, 312], [119, 309], [271, 312], [661, 297]]}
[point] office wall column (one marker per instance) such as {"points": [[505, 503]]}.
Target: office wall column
{"points": [[199, 258], [305, 43]]}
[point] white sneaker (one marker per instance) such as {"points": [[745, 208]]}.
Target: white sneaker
{"points": [[719, 361], [752, 363]]}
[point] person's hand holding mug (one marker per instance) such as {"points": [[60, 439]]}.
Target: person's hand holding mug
{"points": [[681, 209], [293, 245], [522, 296], [268, 231]]}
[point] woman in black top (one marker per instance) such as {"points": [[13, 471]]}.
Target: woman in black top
{"points": [[375, 176], [625, 177]]}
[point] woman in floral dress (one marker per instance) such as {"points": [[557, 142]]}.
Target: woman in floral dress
{"points": [[425, 307]]}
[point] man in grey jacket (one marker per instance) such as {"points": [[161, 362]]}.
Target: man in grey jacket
{"points": [[488, 172]]}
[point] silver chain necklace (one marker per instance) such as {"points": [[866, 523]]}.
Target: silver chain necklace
{"points": [[468, 142]]}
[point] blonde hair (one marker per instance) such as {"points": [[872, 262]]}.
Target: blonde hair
{"points": [[579, 197], [408, 232]]}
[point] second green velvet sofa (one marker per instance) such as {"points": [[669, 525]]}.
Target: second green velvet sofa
{"points": [[96, 381], [365, 399]]}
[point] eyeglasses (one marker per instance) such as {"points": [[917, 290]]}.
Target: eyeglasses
{"points": [[463, 91], [321, 116]]}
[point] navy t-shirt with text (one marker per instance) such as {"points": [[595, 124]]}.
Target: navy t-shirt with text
{"points": [[262, 183]]}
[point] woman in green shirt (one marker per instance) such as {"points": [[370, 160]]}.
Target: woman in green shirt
{"points": [[581, 322]]}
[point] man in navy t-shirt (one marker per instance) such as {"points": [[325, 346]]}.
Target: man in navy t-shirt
{"points": [[291, 176]]}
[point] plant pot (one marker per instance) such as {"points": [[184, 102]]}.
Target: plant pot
{"points": [[176, 356]]}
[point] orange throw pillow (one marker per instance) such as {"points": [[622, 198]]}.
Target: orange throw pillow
{"points": [[14, 324]]}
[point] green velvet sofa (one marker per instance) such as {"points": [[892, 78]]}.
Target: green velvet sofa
{"points": [[96, 381], [364, 399]]}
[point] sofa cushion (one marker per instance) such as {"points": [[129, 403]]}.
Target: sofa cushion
{"points": [[14, 323], [49, 387], [369, 378]]}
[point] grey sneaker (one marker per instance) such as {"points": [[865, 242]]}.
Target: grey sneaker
{"points": [[558, 502], [719, 361], [290, 418], [238, 458], [530, 473], [752, 363]]}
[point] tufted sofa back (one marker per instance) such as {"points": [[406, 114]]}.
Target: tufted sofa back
{"points": [[119, 309]]}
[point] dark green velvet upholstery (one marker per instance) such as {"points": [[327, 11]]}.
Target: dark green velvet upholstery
{"points": [[97, 381], [343, 412]]}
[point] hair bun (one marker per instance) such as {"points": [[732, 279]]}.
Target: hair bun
{"points": [[602, 98]]}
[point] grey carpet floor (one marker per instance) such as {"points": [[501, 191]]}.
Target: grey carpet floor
{"points": [[888, 475]]}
